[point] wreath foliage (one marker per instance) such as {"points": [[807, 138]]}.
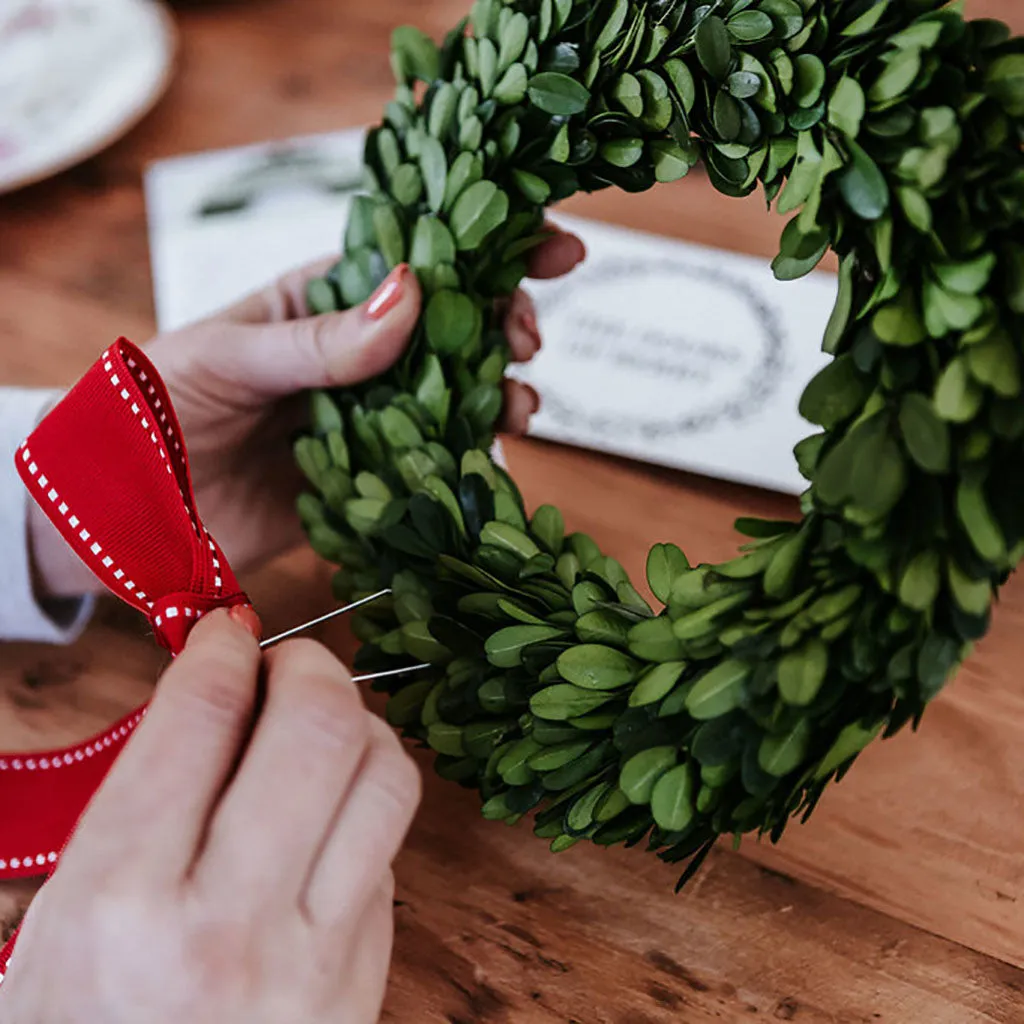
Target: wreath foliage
{"points": [[890, 131]]}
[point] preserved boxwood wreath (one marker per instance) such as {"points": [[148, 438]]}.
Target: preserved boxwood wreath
{"points": [[891, 132]]}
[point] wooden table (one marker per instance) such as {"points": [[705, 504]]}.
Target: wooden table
{"points": [[902, 901]]}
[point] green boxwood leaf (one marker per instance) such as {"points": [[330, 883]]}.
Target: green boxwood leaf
{"points": [[743, 84], [390, 234], [780, 755], [480, 209], [899, 322], [840, 316], [555, 93], [511, 87], [847, 106], [969, 277], [452, 321], [919, 585], [561, 702], [802, 671], [613, 26], [863, 186], [973, 596], [626, 93], [603, 626], [622, 152], [916, 208], [835, 393], [532, 186], [399, 431], [996, 364], [505, 648], [672, 799], [642, 771], [925, 434], [671, 161], [957, 396], [851, 740], [443, 108], [656, 683], [665, 564], [548, 527], [682, 81], [949, 311], [466, 169], [980, 525], [596, 667], [787, 15], [719, 691], [726, 116], [713, 48], [434, 166], [1004, 81], [935, 661], [809, 79], [407, 184], [432, 243], [901, 69], [792, 268], [653, 640], [509, 538], [416, 53], [750, 26], [359, 231]]}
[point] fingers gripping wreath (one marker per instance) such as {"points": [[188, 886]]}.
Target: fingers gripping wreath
{"points": [[889, 132]]}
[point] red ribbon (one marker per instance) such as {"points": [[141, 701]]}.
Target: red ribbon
{"points": [[108, 466]]}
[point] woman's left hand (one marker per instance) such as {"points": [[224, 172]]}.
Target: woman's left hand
{"points": [[237, 382]]}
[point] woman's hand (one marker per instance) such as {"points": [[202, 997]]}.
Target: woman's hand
{"points": [[237, 380], [227, 873]]}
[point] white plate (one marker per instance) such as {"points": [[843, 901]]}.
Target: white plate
{"points": [[75, 75]]}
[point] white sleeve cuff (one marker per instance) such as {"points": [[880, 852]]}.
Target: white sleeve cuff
{"points": [[22, 616]]}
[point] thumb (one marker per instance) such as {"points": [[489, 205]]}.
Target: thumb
{"points": [[266, 361]]}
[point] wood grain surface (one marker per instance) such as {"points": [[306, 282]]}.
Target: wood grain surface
{"points": [[901, 902]]}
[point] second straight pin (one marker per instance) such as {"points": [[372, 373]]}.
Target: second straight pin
{"points": [[336, 613]]}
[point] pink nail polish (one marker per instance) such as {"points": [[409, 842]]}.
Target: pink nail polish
{"points": [[245, 615], [388, 293]]}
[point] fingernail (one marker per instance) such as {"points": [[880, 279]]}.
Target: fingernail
{"points": [[529, 322], [388, 293], [582, 250], [534, 399], [245, 615]]}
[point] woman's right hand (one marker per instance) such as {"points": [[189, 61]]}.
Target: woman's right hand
{"points": [[228, 870]]}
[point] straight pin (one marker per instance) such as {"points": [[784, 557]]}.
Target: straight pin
{"points": [[264, 644], [333, 615], [390, 672]]}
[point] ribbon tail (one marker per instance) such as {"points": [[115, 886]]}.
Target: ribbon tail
{"points": [[42, 796]]}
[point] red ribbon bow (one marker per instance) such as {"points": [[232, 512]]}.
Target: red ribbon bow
{"points": [[108, 466]]}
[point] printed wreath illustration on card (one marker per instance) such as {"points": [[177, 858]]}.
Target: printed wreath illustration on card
{"points": [[889, 132]]}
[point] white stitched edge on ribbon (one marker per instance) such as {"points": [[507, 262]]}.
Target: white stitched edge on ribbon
{"points": [[29, 763], [174, 612], [143, 381], [39, 860], [84, 536], [217, 581]]}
